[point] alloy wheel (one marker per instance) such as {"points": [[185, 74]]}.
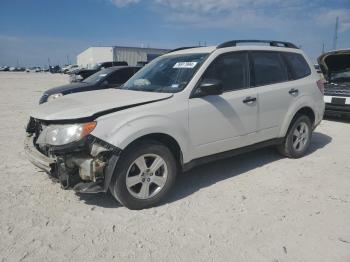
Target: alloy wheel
{"points": [[146, 176], [300, 136]]}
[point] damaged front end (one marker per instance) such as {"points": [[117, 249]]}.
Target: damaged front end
{"points": [[70, 154]]}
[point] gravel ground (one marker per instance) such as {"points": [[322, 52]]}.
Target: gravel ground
{"points": [[254, 207]]}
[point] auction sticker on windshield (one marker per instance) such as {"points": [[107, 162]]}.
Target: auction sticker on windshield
{"points": [[185, 65]]}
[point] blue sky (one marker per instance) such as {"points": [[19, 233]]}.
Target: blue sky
{"points": [[31, 31]]}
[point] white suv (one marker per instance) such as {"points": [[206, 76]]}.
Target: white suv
{"points": [[187, 107]]}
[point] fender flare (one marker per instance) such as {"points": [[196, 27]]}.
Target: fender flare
{"points": [[302, 102]]}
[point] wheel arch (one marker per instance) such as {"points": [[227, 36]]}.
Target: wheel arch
{"points": [[165, 139], [302, 110]]}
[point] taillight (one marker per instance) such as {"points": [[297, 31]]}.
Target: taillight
{"points": [[320, 85]]}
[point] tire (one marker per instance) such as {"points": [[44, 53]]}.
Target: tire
{"points": [[291, 147], [148, 164]]}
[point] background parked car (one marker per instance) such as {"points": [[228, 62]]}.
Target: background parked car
{"points": [[4, 68], [69, 68], [318, 68], [106, 78], [142, 63], [336, 69], [55, 69], [81, 74]]}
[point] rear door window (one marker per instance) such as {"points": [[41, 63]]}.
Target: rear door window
{"points": [[298, 65], [269, 68]]}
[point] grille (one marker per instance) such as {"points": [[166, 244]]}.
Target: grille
{"points": [[337, 91]]}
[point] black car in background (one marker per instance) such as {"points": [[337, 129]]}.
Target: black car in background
{"points": [[4, 69], [80, 74], [106, 78], [54, 69], [335, 66]]}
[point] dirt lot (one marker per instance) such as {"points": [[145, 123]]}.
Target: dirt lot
{"points": [[254, 207]]}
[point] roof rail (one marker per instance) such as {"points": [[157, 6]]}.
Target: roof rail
{"points": [[182, 48], [270, 42]]}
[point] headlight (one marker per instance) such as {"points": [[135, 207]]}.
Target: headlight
{"points": [[57, 135], [54, 96]]}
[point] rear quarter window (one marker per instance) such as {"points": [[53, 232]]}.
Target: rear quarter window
{"points": [[297, 65]]}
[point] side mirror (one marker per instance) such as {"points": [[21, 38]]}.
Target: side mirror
{"points": [[209, 87]]}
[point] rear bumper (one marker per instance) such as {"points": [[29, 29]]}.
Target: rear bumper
{"points": [[36, 157]]}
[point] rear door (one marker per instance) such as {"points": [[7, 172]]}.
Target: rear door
{"points": [[280, 80], [271, 79], [220, 123]]}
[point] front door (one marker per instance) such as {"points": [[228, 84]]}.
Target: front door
{"points": [[220, 123]]}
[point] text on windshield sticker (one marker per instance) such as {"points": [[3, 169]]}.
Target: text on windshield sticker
{"points": [[185, 64]]}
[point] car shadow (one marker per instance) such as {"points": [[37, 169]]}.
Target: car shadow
{"points": [[214, 172], [208, 174], [105, 200], [337, 119]]}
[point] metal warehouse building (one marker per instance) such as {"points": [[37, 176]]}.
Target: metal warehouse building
{"points": [[132, 55]]}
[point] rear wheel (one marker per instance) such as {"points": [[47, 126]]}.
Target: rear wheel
{"points": [[145, 174], [298, 138]]}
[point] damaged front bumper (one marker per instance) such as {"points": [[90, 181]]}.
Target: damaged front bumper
{"points": [[87, 166], [36, 157]]}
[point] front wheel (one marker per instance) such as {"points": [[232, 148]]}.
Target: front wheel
{"points": [[298, 138], [145, 174]]}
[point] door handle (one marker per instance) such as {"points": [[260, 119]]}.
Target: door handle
{"points": [[249, 100], [293, 91]]}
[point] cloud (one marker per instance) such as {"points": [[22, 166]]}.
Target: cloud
{"points": [[226, 13], [229, 13], [123, 3], [326, 17]]}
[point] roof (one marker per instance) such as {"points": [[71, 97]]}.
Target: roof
{"points": [[210, 49], [196, 50]]}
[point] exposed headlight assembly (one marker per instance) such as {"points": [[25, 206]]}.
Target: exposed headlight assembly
{"points": [[57, 135], [54, 96]]}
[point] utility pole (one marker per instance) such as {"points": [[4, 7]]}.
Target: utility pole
{"points": [[68, 60], [323, 47], [335, 39]]}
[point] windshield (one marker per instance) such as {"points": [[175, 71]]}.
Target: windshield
{"points": [[341, 76], [168, 74], [97, 77]]}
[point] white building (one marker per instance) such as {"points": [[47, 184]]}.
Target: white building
{"points": [[131, 55]]}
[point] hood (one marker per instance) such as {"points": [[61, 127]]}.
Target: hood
{"points": [[66, 89], [93, 104], [334, 61]]}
